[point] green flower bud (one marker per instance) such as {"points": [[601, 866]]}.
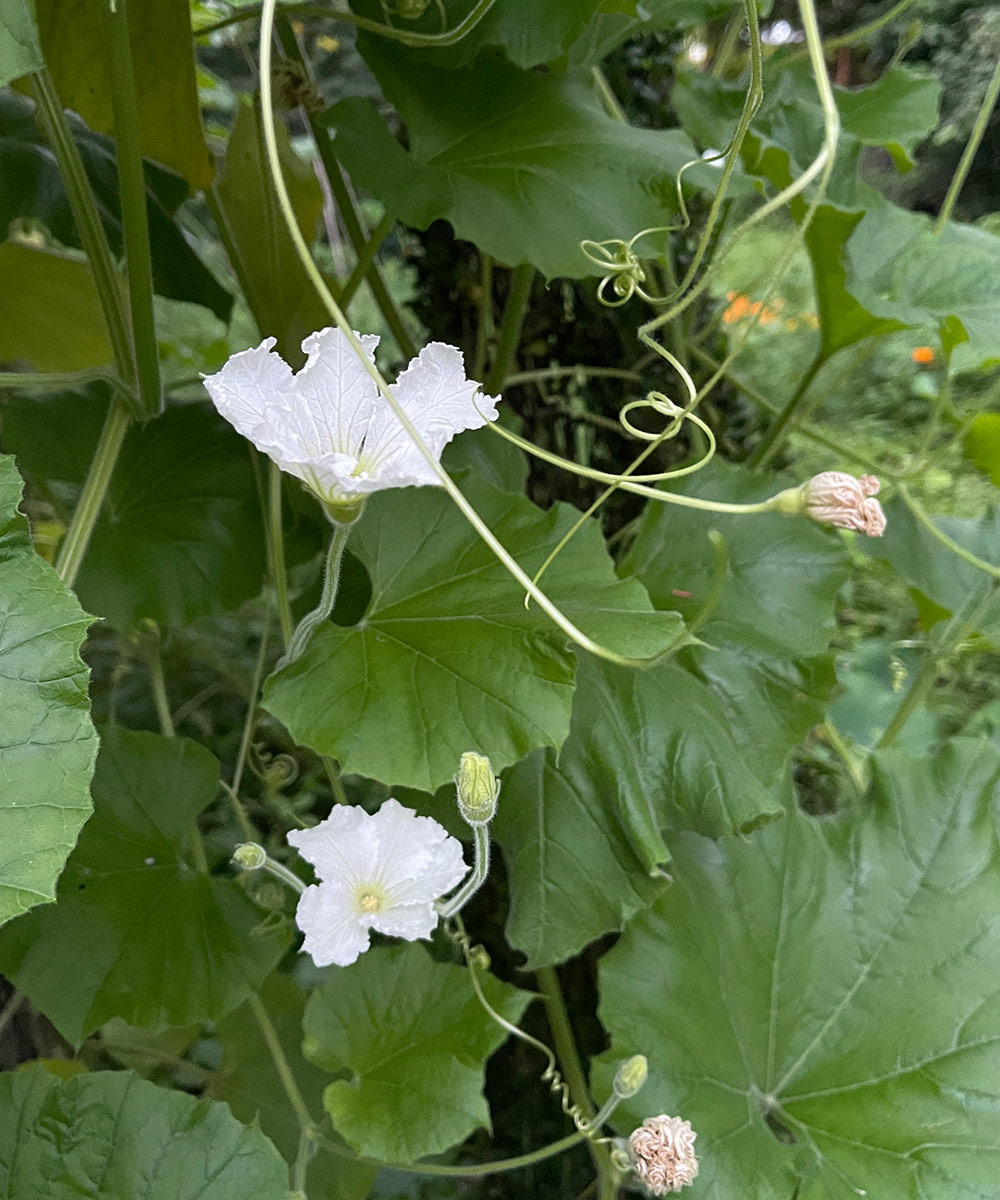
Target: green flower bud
{"points": [[478, 789], [630, 1076], [249, 856]]}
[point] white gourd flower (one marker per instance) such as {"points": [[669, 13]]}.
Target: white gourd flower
{"points": [[328, 424], [380, 871]]}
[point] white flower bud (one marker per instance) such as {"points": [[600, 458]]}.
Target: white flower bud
{"points": [[478, 789], [630, 1076], [249, 856]]}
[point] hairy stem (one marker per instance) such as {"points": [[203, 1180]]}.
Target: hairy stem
{"points": [[56, 128], [569, 1061], [159, 686], [276, 552], [964, 622], [95, 487], [775, 435], [345, 204], [969, 153], [138, 264], [981, 564], [514, 312], [328, 596]]}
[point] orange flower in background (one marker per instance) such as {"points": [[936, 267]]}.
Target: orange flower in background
{"points": [[924, 355], [739, 306]]}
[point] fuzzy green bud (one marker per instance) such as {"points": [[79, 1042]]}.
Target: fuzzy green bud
{"points": [[630, 1076], [249, 856], [478, 789]]}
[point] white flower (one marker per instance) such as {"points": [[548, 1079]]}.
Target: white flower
{"points": [[381, 871], [329, 426]]}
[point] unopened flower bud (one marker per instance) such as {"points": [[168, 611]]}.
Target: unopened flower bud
{"points": [[662, 1154], [478, 789], [836, 498], [249, 856], [630, 1076]]}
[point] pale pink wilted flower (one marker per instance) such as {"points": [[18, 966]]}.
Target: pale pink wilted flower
{"points": [[380, 871], [662, 1154], [836, 498]]}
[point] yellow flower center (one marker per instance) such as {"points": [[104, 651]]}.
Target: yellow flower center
{"points": [[368, 902]]}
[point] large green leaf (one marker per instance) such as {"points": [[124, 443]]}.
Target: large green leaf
{"points": [[48, 746], [414, 1040], [281, 296], [180, 534], [250, 1084], [136, 931], [447, 658], [525, 165], [19, 49], [649, 753], [782, 575], [74, 42], [820, 1000], [41, 290], [31, 187], [110, 1135]]}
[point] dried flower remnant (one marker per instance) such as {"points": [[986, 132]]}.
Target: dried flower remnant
{"points": [[662, 1154], [836, 498], [379, 871]]}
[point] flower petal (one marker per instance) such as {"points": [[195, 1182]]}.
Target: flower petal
{"points": [[335, 934], [410, 921], [435, 394], [418, 859], [346, 846], [311, 424]]}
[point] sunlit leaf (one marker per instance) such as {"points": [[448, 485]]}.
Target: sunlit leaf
{"points": [[39, 289], [19, 49], [74, 41], [49, 744], [31, 188]]}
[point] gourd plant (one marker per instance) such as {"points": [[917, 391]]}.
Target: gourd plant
{"points": [[335, 656]]}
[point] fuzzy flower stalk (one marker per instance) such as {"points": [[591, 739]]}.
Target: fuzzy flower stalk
{"points": [[329, 426], [661, 1153]]}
